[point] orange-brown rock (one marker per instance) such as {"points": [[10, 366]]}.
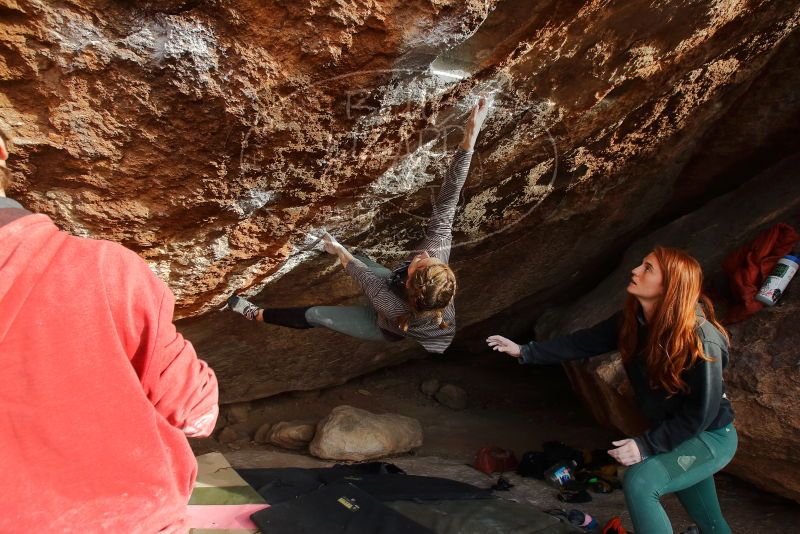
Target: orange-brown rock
{"points": [[211, 136]]}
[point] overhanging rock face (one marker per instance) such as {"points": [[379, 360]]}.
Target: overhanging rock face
{"points": [[210, 137]]}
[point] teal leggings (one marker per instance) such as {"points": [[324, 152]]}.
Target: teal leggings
{"points": [[688, 472], [357, 321]]}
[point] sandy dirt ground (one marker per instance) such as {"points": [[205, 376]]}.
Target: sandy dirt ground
{"points": [[510, 406]]}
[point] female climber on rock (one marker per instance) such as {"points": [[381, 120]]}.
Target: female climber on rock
{"points": [[415, 300], [673, 350]]}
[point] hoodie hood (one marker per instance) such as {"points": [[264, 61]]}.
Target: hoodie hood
{"points": [[11, 210], [6, 202]]}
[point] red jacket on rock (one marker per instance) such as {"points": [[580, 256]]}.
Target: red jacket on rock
{"points": [[98, 391]]}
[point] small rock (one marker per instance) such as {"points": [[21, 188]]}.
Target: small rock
{"points": [[388, 383], [262, 434], [452, 396], [239, 412], [352, 434], [430, 386], [292, 434], [240, 428], [227, 435], [364, 392]]}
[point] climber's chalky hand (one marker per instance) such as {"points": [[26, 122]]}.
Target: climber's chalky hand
{"points": [[475, 122], [331, 245]]}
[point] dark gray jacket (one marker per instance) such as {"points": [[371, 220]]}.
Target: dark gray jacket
{"points": [[672, 420]]}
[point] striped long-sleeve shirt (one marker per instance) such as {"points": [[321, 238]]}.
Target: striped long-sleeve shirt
{"points": [[438, 240]]}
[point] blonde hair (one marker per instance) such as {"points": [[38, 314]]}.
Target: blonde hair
{"points": [[428, 293]]}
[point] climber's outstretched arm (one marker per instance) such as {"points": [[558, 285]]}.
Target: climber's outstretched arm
{"points": [[439, 230]]}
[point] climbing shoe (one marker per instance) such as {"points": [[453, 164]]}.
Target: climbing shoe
{"points": [[242, 306]]}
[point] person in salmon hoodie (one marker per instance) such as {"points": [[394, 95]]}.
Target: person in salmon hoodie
{"points": [[98, 391]]}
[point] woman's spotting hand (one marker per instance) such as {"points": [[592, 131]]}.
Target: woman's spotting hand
{"points": [[501, 344], [474, 123], [626, 453]]}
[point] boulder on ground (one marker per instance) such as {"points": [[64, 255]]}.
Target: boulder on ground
{"points": [[352, 434], [227, 435], [262, 433], [430, 387], [238, 412], [292, 434], [452, 396]]}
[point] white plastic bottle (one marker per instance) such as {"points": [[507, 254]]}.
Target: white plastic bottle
{"points": [[778, 279]]}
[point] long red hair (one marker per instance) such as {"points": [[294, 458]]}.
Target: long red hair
{"points": [[673, 344]]}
